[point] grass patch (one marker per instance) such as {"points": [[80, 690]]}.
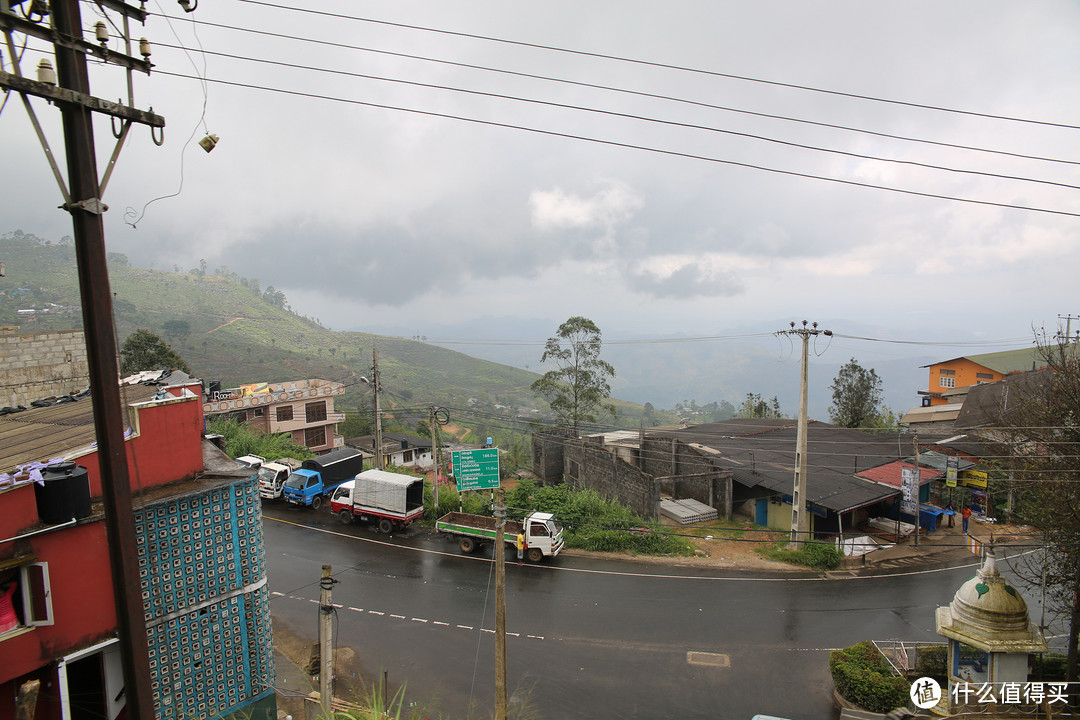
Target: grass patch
{"points": [[820, 556]]}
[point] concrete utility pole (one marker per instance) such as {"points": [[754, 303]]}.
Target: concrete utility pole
{"points": [[326, 645], [378, 410], [800, 520], [1068, 327], [69, 88], [501, 703]]}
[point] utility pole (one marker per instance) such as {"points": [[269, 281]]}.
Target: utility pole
{"points": [[1068, 328], [436, 416], [69, 88], [378, 410], [501, 703], [326, 645], [800, 521]]}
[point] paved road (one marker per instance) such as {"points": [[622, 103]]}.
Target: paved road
{"points": [[589, 639]]}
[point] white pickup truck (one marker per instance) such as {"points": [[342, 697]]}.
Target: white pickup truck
{"points": [[272, 477]]}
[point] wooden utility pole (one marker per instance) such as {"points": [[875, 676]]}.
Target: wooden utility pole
{"points": [[69, 88], [326, 644], [501, 702], [378, 410], [800, 520]]}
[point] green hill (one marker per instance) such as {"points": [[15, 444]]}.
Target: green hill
{"points": [[227, 328]]}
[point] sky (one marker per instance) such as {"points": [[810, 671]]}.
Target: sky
{"points": [[660, 168]]}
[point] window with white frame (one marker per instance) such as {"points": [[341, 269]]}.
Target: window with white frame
{"points": [[947, 382], [25, 597]]}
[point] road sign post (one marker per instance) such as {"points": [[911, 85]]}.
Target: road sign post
{"points": [[476, 469]]}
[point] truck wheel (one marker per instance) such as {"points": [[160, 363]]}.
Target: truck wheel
{"points": [[345, 516], [467, 545], [316, 502], [386, 526], [534, 555]]}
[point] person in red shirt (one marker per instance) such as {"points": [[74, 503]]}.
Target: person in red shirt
{"points": [[966, 515]]}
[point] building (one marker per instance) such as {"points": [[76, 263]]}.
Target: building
{"points": [[201, 565], [399, 449], [302, 408], [40, 365]]}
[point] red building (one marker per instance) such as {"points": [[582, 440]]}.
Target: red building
{"points": [[201, 565]]}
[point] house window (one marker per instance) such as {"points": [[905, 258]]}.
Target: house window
{"points": [[315, 437], [284, 413], [259, 412], [948, 372], [947, 382], [315, 412], [407, 456], [25, 597], [985, 376]]}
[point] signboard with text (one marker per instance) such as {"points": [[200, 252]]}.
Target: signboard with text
{"points": [[952, 464], [476, 469], [909, 490]]}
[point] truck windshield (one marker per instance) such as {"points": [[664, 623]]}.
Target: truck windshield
{"points": [[267, 474], [295, 481]]}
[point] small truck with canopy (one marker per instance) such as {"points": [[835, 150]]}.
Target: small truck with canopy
{"points": [[392, 500]]}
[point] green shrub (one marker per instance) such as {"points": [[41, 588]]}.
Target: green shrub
{"points": [[932, 662], [817, 555], [863, 676]]}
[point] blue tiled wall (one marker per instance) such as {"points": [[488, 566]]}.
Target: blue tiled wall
{"points": [[203, 573]]}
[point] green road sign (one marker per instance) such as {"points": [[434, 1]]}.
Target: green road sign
{"points": [[476, 469]]}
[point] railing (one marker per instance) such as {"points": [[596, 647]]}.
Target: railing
{"points": [[903, 656]]}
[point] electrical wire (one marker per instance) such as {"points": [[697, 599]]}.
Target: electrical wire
{"points": [[667, 66], [630, 146], [633, 116], [636, 93]]}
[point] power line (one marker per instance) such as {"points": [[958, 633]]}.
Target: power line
{"points": [[639, 93], [667, 66], [623, 145], [633, 116]]}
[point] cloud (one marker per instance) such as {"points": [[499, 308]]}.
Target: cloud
{"points": [[683, 277], [612, 205]]}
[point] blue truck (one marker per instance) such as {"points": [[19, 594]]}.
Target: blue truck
{"points": [[318, 477]]}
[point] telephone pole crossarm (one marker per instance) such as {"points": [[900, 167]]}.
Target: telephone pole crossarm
{"points": [[63, 95]]}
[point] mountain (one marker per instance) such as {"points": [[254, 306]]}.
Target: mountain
{"points": [[719, 365], [229, 329]]}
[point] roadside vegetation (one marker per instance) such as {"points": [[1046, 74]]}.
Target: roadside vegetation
{"points": [[816, 555], [589, 521], [863, 676], [240, 440]]}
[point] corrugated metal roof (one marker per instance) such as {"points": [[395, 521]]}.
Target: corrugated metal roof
{"points": [[40, 434], [761, 453]]}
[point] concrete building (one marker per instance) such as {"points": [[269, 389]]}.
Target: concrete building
{"points": [[302, 408], [201, 565]]}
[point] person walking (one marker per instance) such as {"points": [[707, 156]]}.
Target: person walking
{"points": [[965, 514], [520, 546]]}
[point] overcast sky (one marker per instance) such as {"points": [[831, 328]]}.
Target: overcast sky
{"points": [[388, 203]]}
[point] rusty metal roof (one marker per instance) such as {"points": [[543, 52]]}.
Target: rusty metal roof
{"points": [[45, 433]]}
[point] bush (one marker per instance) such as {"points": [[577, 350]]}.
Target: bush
{"points": [[932, 662], [863, 676]]}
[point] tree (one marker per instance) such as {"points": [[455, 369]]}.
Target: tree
{"points": [[856, 397], [578, 386], [1036, 426], [754, 406], [143, 350]]}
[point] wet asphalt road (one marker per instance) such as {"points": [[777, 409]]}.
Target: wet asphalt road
{"points": [[588, 638]]}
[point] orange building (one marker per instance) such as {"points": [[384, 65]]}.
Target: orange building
{"points": [[948, 378]]}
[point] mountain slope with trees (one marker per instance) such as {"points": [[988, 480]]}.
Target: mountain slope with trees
{"points": [[227, 327]]}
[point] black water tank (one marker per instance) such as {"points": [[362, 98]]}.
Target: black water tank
{"points": [[64, 493]]}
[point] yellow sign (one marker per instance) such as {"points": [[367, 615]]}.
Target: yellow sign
{"points": [[974, 478]]}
